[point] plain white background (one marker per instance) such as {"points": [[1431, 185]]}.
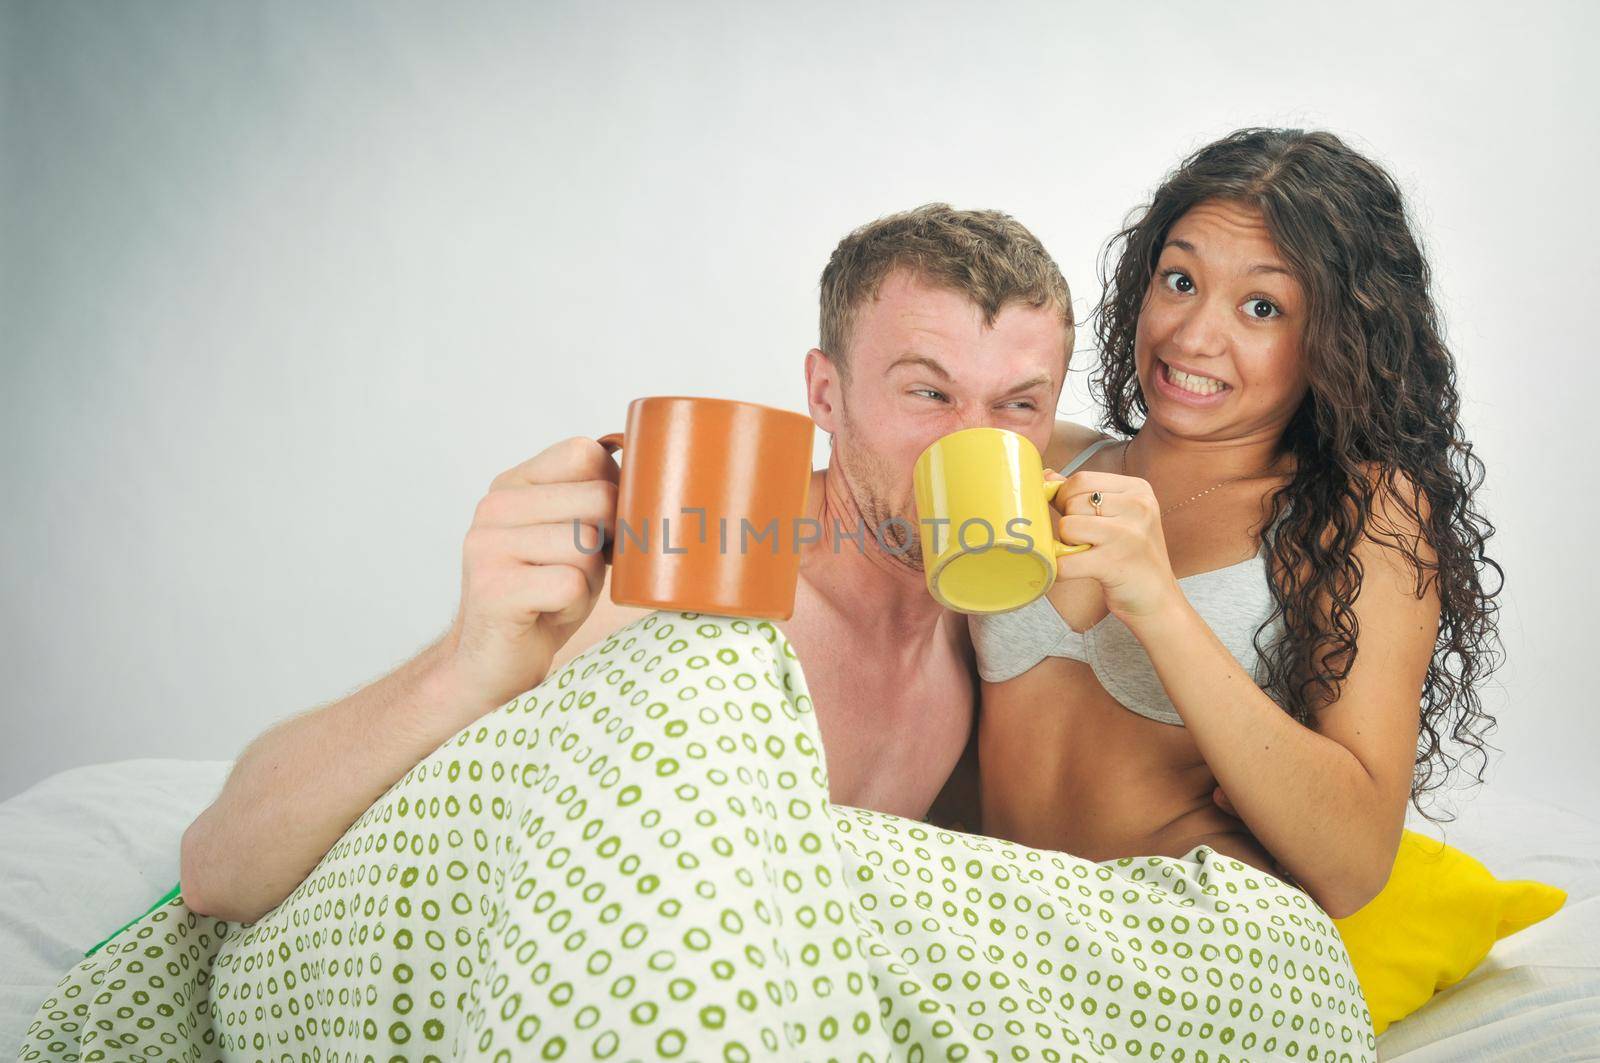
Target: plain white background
{"points": [[285, 286]]}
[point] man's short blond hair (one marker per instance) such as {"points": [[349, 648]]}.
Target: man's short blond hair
{"points": [[983, 254]]}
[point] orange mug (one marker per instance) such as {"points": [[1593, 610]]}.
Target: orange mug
{"points": [[709, 506]]}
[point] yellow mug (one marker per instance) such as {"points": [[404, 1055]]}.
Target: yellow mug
{"points": [[985, 522]]}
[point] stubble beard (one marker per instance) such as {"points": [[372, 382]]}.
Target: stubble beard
{"points": [[869, 479]]}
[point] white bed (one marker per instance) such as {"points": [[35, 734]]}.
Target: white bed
{"points": [[86, 850]]}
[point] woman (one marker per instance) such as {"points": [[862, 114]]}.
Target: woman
{"points": [[1284, 589]]}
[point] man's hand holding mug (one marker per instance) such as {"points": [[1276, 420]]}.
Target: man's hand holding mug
{"points": [[531, 569]]}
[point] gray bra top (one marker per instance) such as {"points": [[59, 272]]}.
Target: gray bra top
{"points": [[1235, 601]]}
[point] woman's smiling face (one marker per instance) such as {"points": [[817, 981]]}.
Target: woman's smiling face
{"points": [[1218, 345]]}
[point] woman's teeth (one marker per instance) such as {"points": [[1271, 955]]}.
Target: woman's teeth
{"points": [[1200, 385]]}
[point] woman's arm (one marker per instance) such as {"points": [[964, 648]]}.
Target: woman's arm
{"points": [[1327, 801]]}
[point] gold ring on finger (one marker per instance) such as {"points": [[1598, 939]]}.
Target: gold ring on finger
{"points": [[1095, 500]]}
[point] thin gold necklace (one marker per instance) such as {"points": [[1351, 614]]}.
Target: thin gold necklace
{"points": [[1186, 501]]}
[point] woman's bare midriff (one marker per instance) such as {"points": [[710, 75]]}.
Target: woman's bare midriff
{"points": [[1065, 767]]}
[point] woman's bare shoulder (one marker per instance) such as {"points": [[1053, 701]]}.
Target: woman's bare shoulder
{"points": [[1067, 440]]}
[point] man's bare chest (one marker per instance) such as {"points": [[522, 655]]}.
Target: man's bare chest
{"points": [[897, 720]]}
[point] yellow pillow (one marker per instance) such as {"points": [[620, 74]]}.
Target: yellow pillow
{"points": [[1435, 920]]}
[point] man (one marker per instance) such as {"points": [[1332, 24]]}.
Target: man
{"points": [[932, 320]]}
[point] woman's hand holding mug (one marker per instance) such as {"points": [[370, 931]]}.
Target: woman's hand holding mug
{"points": [[1129, 559]]}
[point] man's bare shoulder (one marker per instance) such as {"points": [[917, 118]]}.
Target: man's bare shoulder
{"points": [[1067, 440]]}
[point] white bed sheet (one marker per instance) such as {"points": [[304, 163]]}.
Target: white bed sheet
{"points": [[88, 849], [81, 853]]}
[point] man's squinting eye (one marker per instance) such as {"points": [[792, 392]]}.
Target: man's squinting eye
{"points": [[1025, 404], [1260, 309], [1178, 281]]}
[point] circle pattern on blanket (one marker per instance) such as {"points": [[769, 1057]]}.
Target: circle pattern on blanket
{"points": [[638, 858]]}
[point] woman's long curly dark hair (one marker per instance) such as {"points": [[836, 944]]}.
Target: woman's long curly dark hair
{"points": [[1382, 397]]}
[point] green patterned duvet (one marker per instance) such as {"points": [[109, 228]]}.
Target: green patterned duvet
{"points": [[637, 859]]}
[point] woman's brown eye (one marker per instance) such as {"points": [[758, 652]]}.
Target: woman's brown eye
{"points": [[1261, 308]]}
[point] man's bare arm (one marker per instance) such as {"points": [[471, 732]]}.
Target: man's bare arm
{"points": [[531, 578], [296, 788]]}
